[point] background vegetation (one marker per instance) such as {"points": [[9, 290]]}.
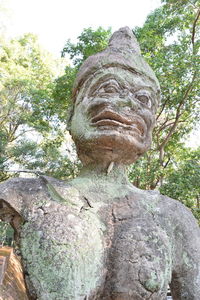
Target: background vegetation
{"points": [[35, 99]]}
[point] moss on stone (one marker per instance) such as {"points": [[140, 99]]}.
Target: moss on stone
{"points": [[63, 270]]}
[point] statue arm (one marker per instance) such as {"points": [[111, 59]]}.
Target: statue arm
{"points": [[11, 203], [10, 197], [186, 270], [19, 195]]}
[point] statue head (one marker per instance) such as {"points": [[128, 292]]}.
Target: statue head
{"points": [[115, 94]]}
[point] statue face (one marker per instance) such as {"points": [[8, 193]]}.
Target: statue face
{"points": [[114, 116]]}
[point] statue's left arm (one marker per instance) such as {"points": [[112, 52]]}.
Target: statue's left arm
{"points": [[17, 197], [11, 204], [186, 261]]}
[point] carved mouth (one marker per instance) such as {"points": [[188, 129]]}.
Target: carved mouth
{"points": [[110, 118]]}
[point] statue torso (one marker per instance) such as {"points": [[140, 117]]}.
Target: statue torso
{"points": [[94, 247]]}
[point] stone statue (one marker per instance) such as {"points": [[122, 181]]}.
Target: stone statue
{"points": [[98, 237]]}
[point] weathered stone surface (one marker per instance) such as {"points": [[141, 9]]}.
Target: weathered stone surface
{"points": [[122, 243], [98, 237]]}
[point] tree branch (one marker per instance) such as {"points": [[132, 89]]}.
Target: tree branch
{"points": [[194, 28], [25, 171], [164, 126], [178, 115], [162, 109]]}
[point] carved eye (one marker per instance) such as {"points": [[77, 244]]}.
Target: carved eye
{"points": [[111, 89], [144, 98], [108, 87]]}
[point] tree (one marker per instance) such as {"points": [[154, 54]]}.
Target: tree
{"points": [[29, 123], [89, 42], [183, 181], [170, 43]]}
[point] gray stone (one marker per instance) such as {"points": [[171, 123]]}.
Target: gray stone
{"points": [[98, 237]]}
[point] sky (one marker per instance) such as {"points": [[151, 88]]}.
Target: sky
{"points": [[57, 21]]}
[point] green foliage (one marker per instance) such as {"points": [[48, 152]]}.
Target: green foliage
{"points": [[183, 181], [63, 92], [89, 42], [25, 84], [6, 234], [49, 156], [30, 122]]}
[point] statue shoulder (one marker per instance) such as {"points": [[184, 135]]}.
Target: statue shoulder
{"points": [[21, 198], [16, 197], [21, 193], [179, 215]]}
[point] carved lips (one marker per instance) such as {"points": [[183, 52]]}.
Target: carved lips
{"points": [[110, 118]]}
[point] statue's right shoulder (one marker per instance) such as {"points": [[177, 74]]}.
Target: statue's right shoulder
{"points": [[19, 193], [20, 198]]}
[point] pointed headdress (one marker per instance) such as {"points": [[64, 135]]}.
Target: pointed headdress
{"points": [[123, 51]]}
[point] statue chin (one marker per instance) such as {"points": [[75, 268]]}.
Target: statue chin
{"points": [[111, 146]]}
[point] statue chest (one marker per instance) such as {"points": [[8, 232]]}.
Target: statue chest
{"points": [[139, 260], [116, 252], [63, 252]]}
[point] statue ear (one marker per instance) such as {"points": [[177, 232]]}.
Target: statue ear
{"points": [[10, 215]]}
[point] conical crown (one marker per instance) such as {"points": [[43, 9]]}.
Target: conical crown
{"points": [[124, 39]]}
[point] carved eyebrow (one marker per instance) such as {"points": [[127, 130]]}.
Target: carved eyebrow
{"points": [[146, 88]]}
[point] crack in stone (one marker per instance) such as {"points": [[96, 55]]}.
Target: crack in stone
{"points": [[87, 201]]}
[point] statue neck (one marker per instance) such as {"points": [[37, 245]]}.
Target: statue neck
{"points": [[111, 173], [103, 183]]}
